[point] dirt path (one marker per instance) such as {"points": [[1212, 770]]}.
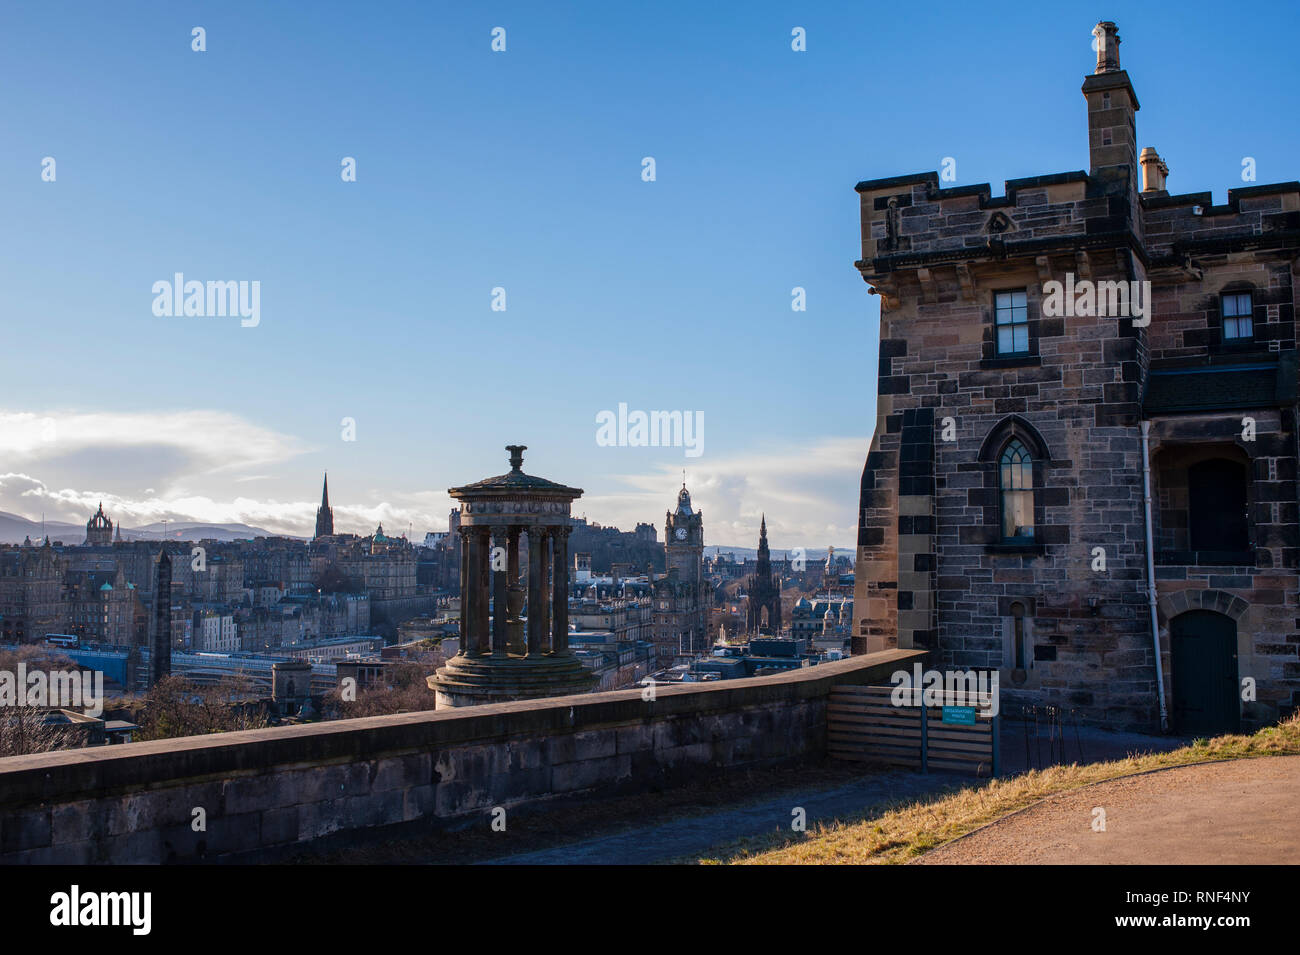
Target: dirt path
{"points": [[1243, 811], [696, 835]]}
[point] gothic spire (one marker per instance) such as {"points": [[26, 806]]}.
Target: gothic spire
{"points": [[325, 513]]}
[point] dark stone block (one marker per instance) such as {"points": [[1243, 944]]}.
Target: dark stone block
{"points": [[1054, 496], [894, 385]]}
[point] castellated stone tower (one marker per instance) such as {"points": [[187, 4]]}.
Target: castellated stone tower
{"points": [[1033, 388]]}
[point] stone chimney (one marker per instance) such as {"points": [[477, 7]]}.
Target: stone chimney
{"points": [[1107, 47], [1112, 122], [1154, 171]]}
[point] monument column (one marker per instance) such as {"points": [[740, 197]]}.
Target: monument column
{"points": [[484, 586], [536, 583], [547, 535], [469, 592], [514, 591], [560, 596], [500, 584]]}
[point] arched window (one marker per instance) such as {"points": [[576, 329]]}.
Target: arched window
{"points": [[1016, 486]]}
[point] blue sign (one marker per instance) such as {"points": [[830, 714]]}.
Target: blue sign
{"points": [[959, 715]]}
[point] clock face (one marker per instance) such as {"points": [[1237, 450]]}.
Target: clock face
{"points": [[681, 533]]}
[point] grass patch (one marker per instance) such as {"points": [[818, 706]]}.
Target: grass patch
{"points": [[904, 831]]}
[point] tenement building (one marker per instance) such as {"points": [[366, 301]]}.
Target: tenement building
{"points": [[1080, 479]]}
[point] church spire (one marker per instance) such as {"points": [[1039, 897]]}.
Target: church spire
{"points": [[325, 513]]}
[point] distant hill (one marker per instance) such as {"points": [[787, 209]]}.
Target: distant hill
{"points": [[190, 530], [811, 554], [13, 530]]}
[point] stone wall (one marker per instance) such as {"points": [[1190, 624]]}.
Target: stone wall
{"points": [[274, 788]]}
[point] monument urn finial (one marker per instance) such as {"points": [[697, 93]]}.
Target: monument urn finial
{"points": [[516, 456]]}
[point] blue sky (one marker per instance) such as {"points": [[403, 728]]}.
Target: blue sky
{"points": [[520, 170]]}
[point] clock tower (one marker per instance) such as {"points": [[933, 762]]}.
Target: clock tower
{"points": [[684, 540], [681, 599]]}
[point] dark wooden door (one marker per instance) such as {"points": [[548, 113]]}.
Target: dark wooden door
{"points": [[1204, 651]]}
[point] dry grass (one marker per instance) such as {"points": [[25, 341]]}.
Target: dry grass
{"points": [[904, 831]]}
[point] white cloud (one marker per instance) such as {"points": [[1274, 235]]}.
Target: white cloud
{"points": [[809, 493], [211, 440]]}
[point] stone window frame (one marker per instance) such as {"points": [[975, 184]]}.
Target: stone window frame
{"points": [[998, 326], [992, 358], [1237, 343], [1013, 428]]}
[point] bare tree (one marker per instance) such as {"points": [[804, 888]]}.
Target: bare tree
{"points": [[29, 728], [404, 690], [25, 729], [176, 707]]}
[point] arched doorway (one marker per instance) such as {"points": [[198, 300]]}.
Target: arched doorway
{"points": [[1203, 646]]}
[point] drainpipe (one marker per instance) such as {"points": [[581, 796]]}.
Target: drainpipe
{"points": [[1151, 572]]}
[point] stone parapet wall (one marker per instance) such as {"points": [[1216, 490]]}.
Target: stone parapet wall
{"points": [[274, 788]]}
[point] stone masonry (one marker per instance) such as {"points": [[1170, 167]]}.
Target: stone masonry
{"points": [[935, 566]]}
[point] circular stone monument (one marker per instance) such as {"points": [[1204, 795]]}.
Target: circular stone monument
{"points": [[507, 654]]}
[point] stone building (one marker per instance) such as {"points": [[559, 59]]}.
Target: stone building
{"points": [[681, 597], [1032, 389], [32, 597], [102, 606]]}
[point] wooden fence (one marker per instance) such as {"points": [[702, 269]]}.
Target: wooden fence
{"points": [[864, 725]]}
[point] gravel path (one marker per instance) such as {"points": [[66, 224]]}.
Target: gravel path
{"points": [[695, 835], [1245, 811]]}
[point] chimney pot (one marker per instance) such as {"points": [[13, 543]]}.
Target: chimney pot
{"points": [[1154, 171], [1106, 43]]}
